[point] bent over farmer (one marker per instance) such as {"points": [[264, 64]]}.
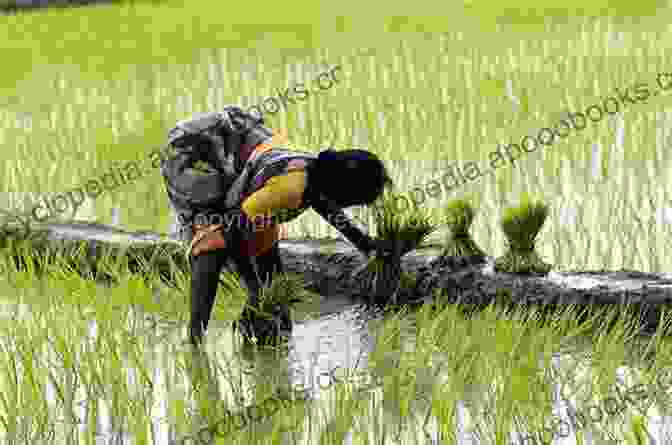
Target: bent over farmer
{"points": [[232, 185]]}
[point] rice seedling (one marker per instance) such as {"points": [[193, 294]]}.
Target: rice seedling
{"points": [[286, 290], [284, 293], [131, 113], [521, 225], [403, 231], [104, 369], [459, 218]]}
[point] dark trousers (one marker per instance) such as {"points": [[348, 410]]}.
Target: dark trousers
{"points": [[205, 270]]}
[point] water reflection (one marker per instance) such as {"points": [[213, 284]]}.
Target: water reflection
{"points": [[338, 340], [230, 382]]}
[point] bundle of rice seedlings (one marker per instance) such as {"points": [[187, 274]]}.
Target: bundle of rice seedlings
{"points": [[521, 226], [459, 218], [273, 305], [285, 289], [404, 230]]}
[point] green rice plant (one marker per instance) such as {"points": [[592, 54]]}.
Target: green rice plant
{"points": [[521, 225], [72, 145], [510, 363], [148, 90], [285, 289], [404, 231], [638, 433], [348, 409], [70, 367], [459, 218]]}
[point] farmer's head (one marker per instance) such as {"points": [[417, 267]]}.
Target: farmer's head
{"points": [[349, 177]]}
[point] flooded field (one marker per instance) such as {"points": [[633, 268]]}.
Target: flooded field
{"points": [[83, 362]]}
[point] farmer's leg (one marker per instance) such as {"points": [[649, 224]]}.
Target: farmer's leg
{"points": [[257, 273], [248, 269], [205, 270], [254, 263], [250, 324], [270, 264]]}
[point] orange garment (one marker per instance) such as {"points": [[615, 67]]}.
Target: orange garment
{"points": [[206, 238]]}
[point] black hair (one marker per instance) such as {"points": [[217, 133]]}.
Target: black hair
{"points": [[350, 177]]}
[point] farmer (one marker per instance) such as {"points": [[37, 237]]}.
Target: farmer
{"points": [[246, 185]]}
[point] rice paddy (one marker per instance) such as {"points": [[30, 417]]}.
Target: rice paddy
{"points": [[83, 362]]}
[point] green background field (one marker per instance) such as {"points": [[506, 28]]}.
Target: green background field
{"points": [[424, 85]]}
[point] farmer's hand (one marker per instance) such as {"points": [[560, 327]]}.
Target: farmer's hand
{"points": [[381, 274]]}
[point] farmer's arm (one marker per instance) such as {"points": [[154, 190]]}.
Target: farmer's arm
{"points": [[341, 222], [285, 192]]}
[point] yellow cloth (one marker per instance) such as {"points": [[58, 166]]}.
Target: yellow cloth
{"points": [[280, 198], [278, 195]]}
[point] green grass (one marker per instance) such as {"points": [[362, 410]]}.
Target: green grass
{"points": [[109, 81]]}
